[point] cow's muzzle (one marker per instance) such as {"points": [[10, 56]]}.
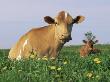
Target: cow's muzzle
{"points": [[69, 38], [66, 38]]}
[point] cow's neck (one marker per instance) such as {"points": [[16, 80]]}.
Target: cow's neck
{"points": [[58, 43]]}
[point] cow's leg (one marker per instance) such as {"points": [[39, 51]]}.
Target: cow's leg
{"points": [[13, 53], [28, 51], [53, 54]]}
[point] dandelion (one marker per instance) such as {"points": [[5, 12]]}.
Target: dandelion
{"points": [[65, 62], [45, 58], [59, 68], [98, 62], [38, 58], [96, 59], [35, 53], [89, 75], [52, 58], [32, 56], [52, 67]]}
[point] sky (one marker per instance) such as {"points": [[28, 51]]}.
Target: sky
{"points": [[19, 16]]}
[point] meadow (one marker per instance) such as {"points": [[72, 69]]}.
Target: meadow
{"points": [[68, 67]]}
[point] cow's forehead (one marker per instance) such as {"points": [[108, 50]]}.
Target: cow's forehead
{"points": [[66, 14], [63, 15]]}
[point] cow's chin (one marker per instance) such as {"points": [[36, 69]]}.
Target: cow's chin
{"points": [[64, 40]]}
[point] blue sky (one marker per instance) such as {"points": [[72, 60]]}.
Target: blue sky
{"points": [[19, 16]]}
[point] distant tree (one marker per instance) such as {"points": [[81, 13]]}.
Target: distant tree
{"points": [[89, 36]]}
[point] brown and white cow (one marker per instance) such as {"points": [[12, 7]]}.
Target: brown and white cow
{"points": [[46, 40], [88, 48]]}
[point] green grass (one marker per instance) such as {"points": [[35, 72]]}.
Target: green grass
{"points": [[68, 67]]}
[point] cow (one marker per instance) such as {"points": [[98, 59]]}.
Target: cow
{"points": [[88, 48], [95, 51], [47, 40]]}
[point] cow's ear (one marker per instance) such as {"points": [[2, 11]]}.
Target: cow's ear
{"points": [[49, 20], [78, 19], [95, 41], [84, 41]]}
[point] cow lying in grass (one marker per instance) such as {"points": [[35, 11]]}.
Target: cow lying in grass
{"points": [[88, 48], [47, 40]]}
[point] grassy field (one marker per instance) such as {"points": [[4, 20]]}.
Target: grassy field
{"points": [[68, 67]]}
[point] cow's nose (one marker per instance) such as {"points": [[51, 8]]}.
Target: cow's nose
{"points": [[65, 34]]}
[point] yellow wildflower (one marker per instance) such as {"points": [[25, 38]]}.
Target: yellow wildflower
{"points": [[52, 67], [32, 56], [45, 58], [59, 68], [89, 75], [98, 62], [65, 62], [38, 58], [52, 58], [96, 59]]}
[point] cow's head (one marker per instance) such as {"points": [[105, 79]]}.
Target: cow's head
{"points": [[89, 44], [63, 24]]}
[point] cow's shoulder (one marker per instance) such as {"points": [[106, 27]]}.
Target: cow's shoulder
{"points": [[41, 30]]}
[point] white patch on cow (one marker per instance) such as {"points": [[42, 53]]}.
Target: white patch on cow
{"points": [[25, 43], [66, 14], [19, 56]]}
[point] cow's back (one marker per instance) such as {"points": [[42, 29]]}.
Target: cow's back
{"points": [[38, 39], [84, 51]]}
